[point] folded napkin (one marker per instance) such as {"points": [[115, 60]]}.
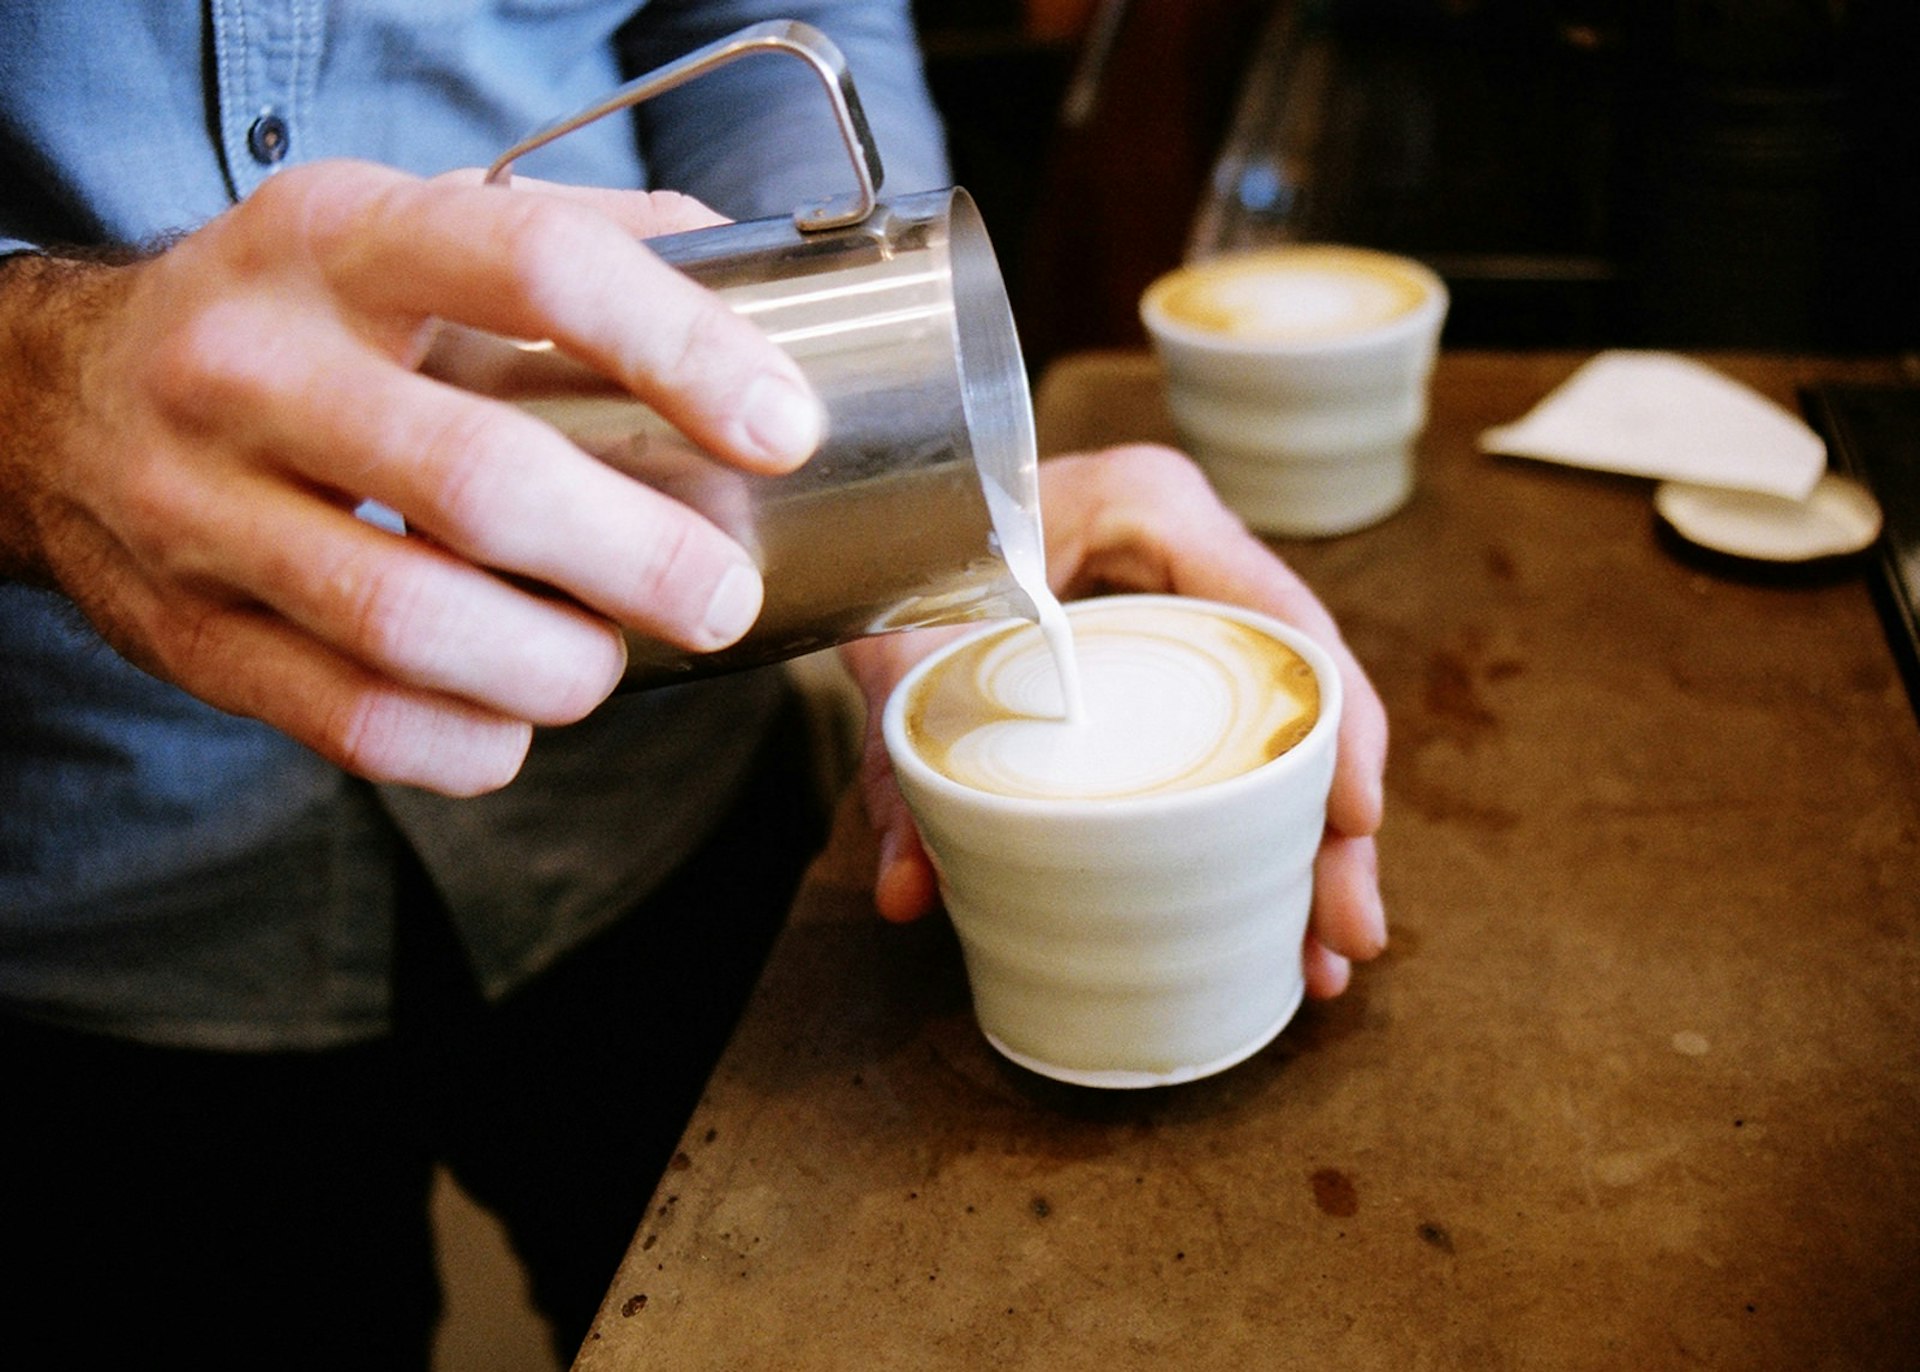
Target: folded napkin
{"points": [[1664, 416]]}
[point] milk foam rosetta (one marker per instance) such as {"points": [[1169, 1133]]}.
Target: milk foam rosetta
{"points": [[1292, 294], [1174, 699]]}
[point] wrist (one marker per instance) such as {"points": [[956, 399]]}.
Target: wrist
{"points": [[49, 306]]}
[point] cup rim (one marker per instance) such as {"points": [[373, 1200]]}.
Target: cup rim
{"points": [[905, 757], [1429, 313]]}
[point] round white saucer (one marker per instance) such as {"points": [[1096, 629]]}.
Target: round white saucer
{"points": [[1839, 517]]}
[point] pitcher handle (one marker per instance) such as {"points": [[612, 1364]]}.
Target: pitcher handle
{"points": [[774, 35]]}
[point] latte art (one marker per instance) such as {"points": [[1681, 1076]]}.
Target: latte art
{"points": [[1174, 699], [1291, 294]]}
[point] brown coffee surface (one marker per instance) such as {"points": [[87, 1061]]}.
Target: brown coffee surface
{"points": [[1291, 294], [1176, 698]]}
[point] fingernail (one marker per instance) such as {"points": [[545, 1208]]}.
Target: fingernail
{"points": [[783, 420], [734, 606], [1377, 916]]}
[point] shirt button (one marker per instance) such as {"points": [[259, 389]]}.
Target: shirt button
{"points": [[267, 139]]}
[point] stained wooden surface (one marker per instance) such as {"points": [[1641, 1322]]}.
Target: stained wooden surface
{"points": [[1637, 1084]]}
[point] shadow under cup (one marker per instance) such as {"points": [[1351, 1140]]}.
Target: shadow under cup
{"points": [[1132, 942]]}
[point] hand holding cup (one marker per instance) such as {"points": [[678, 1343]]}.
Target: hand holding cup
{"points": [[1144, 518]]}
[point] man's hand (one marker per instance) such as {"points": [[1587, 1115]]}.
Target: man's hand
{"points": [[1145, 519], [183, 442]]}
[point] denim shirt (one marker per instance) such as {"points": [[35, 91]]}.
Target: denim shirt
{"points": [[178, 875]]}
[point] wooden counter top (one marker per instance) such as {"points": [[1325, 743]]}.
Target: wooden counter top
{"points": [[1636, 1086]]}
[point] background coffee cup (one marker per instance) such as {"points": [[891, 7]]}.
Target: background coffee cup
{"points": [[1297, 377], [1138, 941]]}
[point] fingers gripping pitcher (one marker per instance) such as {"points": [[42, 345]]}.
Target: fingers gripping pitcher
{"points": [[921, 505]]}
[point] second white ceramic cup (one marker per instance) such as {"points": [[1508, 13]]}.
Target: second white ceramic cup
{"points": [[1305, 434]]}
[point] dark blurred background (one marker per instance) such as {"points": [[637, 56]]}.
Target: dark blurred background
{"points": [[1585, 173]]}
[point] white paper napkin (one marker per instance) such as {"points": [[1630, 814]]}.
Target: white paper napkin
{"points": [[1663, 416]]}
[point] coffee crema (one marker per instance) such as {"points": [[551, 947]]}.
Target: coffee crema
{"points": [[1174, 699], [1292, 294]]}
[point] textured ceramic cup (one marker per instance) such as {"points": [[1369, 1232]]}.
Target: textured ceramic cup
{"points": [[1134, 941], [1297, 377]]}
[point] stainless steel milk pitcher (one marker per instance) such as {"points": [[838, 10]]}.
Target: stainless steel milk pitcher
{"points": [[898, 316]]}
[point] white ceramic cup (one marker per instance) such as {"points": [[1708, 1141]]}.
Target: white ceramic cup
{"points": [[1138, 941], [1297, 377]]}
